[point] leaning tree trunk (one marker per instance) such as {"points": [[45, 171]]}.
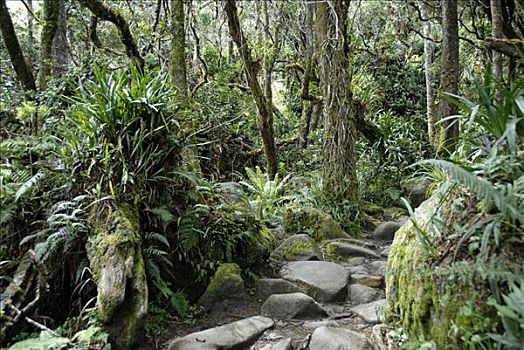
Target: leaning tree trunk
{"points": [[51, 14], [177, 64], [264, 107], [105, 13], [22, 70], [339, 170], [496, 32], [450, 71]]}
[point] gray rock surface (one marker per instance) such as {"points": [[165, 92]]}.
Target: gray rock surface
{"points": [[269, 286], [324, 281], [386, 230], [226, 285], [370, 312], [378, 267], [292, 306], [385, 252], [232, 191], [284, 344], [361, 294], [415, 190], [318, 324], [297, 248], [331, 338], [348, 249], [357, 270], [234, 335], [356, 261]]}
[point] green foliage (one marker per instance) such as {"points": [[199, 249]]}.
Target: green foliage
{"points": [[120, 121], [267, 194], [512, 315]]}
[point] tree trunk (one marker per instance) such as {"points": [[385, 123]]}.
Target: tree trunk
{"points": [[22, 70], [428, 62], [60, 45], [264, 107], [30, 30], [98, 9], [450, 71], [339, 164], [496, 32], [307, 100], [177, 64], [51, 13]]}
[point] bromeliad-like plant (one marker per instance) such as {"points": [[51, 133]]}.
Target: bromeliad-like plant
{"points": [[125, 132]]}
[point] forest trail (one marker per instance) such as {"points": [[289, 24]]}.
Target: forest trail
{"points": [[309, 304]]}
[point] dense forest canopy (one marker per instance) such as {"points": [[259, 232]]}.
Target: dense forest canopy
{"points": [[151, 147]]}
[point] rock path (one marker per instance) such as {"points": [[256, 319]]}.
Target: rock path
{"points": [[311, 304]]}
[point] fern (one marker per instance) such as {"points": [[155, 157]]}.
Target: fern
{"points": [[28, 185], [484, 190]]}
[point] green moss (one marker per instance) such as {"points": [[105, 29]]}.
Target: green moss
{"points": [[44, 342], [426, 299], [316, 223], [225, 271], [295, 249]]}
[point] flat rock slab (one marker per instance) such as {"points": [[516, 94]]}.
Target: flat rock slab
{"points": [[229, 336], [284, 344], [269, 286], [318, 324], [324, 281], [346, 249], [367, 280], [361, 294], [331, 338], [292, 306], [379, 267], [370, 312]]}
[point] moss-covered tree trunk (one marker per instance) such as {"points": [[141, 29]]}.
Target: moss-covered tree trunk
{"points": [[450, 71], [50, 24], [339, 165], [101, 11], [496, 32], [22, 69], [177, 62], [115, 255], [264, 107]]}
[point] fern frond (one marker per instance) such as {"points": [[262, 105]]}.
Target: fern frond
{"points": [[28, 185], [157, 237]]}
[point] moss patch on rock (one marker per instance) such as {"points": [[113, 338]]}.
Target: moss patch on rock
{"points": [[226, 284], [296, 248], [433, 298], [45, 341], [316, 223]]}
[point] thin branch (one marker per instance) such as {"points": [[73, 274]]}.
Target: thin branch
{"points": [[31, 12]]}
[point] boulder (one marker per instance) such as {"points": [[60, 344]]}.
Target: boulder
{"points": [[357, 270], [226, 285], [284, 344], [269, 286], [292, 306], [356, 261], [234, 335], [367, 280], [324, 281], [338, 339], [415, 190], [231, 191], [297, 248], [378, 267], [361, 294], [316, 223], [386, 230], [340, 249], [318, 324], [371, 312], [115, 255]]}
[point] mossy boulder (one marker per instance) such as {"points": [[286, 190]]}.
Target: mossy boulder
{"points": [[297, 248], [94, 337], [226, 285], [114, 252], [433, 298], [314, 222]]}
